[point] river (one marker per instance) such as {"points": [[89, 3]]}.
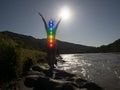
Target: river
{"points": [[101, 68]]}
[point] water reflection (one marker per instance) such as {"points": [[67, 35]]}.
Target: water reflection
{"points": [[75, 63], [99, 68]]}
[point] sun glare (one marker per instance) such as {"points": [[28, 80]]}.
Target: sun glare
{"points": [[65, 13]]}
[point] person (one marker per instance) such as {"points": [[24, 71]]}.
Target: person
{"points": [[51, 51]]}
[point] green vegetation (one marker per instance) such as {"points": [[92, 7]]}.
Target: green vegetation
{"points": [[16, 60]]}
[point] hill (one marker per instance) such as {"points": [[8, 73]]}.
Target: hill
{"points": [[21, 40], [30, 42], [113, 47]]}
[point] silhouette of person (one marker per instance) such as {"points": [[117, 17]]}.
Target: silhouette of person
{"points": [[51, 52]]}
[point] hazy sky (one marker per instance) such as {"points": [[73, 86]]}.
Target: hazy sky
{"points": [[92, 22]]}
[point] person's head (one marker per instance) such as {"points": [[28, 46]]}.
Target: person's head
{"points": [[51, 24]]}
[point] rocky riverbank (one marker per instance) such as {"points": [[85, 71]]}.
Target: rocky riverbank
{"points": [[40, 78]]}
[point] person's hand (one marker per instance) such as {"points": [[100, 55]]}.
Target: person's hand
{"points": [[40, 14]]}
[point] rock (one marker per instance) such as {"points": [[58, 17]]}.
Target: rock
{"points": [[55, 79], [91, 86], [34, 73], [30, 81], [39, 68], [67, 86], [45, 83]]}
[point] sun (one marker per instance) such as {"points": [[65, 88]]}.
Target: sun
{"points": [[65, 13]]}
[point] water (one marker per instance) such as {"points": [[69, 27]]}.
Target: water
{"points": [[101, 68]]}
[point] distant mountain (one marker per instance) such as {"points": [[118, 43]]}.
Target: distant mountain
{"points": [[66, 47], [23, 41], [30, 42], [113, 47]]}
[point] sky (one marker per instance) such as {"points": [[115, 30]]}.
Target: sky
{"points": [[91, 23]]}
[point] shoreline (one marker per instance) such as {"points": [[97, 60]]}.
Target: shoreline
{"points": [[44, 79]]}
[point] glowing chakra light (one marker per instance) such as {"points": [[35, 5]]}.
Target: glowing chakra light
{"points": [[51, 24], [51, 40], [51, 32], [51, 45], [50, 28], [50, 36]]}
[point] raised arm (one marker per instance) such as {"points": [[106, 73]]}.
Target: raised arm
{"points": [[44, 22], [57, 24]]}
